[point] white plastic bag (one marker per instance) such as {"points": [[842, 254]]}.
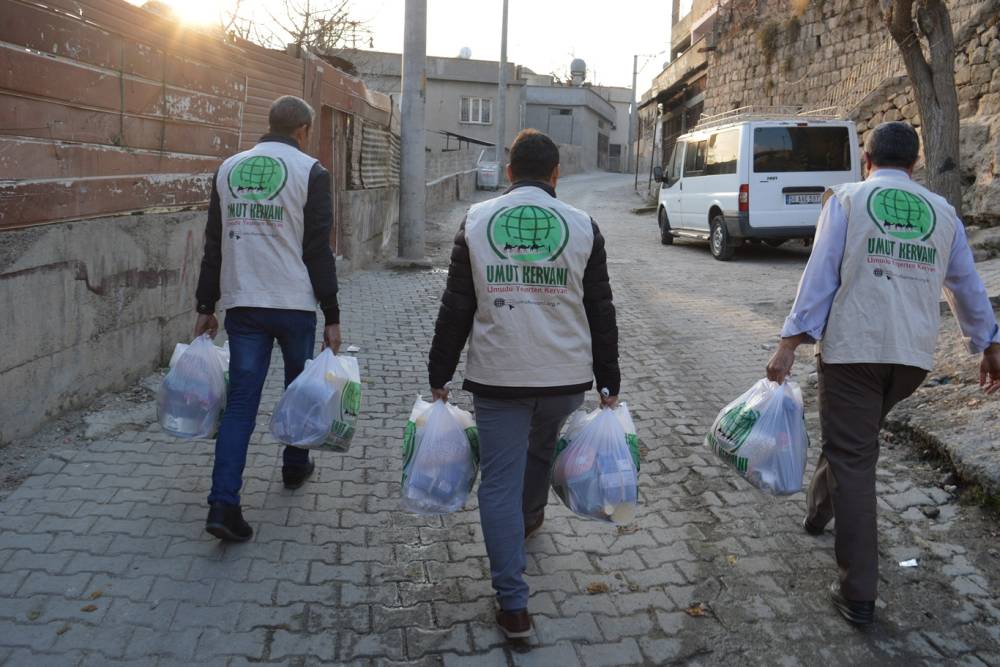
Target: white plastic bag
{"points": [[762, 434], [319, 409], [192, 396], [440, 458], [222, 351], [596, 466]]}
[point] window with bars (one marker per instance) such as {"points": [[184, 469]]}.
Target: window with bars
{"points": [[476, 110]]}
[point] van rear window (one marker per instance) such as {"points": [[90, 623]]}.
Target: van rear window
{"points": [[801, 149]]}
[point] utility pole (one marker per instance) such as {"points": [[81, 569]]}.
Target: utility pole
{"points": [[412, 168], [502, 100], [631, 116]]}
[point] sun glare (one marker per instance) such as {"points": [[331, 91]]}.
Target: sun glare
{"points": [[196, 12]]}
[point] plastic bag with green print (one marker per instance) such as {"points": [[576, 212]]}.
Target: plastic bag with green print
{"points": [[762, 434], [596, 465], [319, 409], [440, 458]]}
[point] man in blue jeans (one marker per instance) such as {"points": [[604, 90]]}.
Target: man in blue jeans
{"points": [[267, 262], [528, 287]]}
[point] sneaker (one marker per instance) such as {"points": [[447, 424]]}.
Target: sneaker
{"points": [[296, 476], [813, 530], [856, 612], [226, 522], [515, 624], [531, 527]]}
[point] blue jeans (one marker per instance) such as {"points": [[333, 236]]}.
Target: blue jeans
{"points": [[252, 332], [517, 438]]}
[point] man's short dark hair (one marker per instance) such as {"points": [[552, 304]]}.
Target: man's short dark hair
{"points": [[289, 113], [533, 156], [893, 144]]}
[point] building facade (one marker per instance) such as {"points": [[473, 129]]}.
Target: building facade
{"points": [[676, 99], [461, 95]]}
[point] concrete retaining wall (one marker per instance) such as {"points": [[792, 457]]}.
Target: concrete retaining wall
{"points": [[89, 307], [439, 165], [450, 188], [369, 220], [571, 160]]}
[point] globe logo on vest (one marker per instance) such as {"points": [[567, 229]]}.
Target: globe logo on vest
{"points": [[257, 178], [901, 214], [528, 234]]}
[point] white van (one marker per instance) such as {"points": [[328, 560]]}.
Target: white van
{"points": [[753, 180]]}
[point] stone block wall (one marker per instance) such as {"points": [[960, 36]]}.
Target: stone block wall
{"points": [[837, 53]]}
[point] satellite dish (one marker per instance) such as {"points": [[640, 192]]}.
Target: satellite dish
{"points": [[465, 53]]}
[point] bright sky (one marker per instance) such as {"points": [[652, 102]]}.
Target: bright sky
{"points": [[544, 35]]}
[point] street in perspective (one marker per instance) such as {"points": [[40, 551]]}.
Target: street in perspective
{"points": [[328, 346]]}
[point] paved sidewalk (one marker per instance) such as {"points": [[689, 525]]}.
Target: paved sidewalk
{"points": [[103, 558]]}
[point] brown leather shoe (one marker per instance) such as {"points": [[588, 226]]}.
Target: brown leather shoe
{"points": [[856, 612], [531, 527], [812, 528], [515, 624]]}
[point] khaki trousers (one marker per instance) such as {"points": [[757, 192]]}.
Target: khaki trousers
{"points": [[853, 402]]}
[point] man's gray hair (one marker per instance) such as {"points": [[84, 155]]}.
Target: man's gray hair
{"points": [[893, 144], [289, 113]]}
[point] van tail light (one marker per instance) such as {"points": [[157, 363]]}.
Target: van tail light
{"points": [[744, 198]]}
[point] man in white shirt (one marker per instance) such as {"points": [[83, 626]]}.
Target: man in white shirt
{"points": [[869, 298]]}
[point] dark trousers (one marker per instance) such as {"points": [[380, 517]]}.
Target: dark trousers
{"points": [[252, 332], [853, 402], [517, 438]]}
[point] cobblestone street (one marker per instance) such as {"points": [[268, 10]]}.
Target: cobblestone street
{"points": [[104, 558]]}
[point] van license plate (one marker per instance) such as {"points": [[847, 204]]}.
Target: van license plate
{"points": [[803, 199]]}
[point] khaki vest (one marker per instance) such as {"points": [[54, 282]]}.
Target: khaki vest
{"points": [[262, 192], [899, 239], [528, 252]]}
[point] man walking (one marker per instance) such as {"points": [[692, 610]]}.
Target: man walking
{"points": [[528, 286], [267, 262], [884, 249]]}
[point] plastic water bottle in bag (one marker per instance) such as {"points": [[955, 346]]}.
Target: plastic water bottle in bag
{"points": [[762, 434], [440, 458], [192, 396], [319, 409], [595, 471]]}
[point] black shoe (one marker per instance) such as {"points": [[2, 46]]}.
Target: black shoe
{"points": [[226, 522], [515, 624], [296, 476], [811, 529], [858, 613], [532, 526]]}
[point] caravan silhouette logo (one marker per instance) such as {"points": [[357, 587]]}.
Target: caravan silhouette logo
{"points": [[528, 234], [901, 214], [257, 178]]}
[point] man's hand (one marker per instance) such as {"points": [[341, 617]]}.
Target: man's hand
{"points": [[206, 324], [331, 337], [440, 394], [989, 369], [783, 358], [608, 401]]}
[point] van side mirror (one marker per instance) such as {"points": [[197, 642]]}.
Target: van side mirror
{"points": [[658, 173]]}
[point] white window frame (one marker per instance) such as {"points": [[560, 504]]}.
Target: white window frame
{"points": [[470, 110]]}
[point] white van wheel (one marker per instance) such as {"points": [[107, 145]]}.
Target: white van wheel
{"points": [[666, 238], [719, 241]]}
